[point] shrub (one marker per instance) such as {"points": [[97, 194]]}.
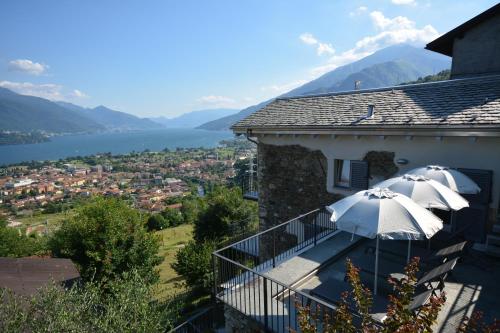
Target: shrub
{"points": [[173, 217], [157, 222], [107, 238], [127, 307], [15, 243], [227, 214], [194, 263]]}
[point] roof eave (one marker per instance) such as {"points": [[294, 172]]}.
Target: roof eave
{"points": [[477, 130]]}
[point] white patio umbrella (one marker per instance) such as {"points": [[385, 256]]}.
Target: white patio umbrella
{"points": [[451, 178], [426, 192], [382, 214]]}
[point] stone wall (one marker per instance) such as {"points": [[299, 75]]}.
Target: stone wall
{"points": [[478, 51], [292, 181]]}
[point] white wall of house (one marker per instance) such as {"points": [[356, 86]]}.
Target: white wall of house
{"points": [[460, 152]]}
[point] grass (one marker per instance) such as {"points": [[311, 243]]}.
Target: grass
{"points": [[52, 221], [172, 239]]}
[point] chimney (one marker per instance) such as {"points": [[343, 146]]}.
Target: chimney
{"points": [[357, 84]]}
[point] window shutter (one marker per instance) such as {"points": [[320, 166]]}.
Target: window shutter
{"points": [[359, 175]]}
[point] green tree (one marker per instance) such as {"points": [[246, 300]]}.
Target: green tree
{"points": [[157, 222], [127, 307], [194, 263], [172, 216], [227, 214], [107, 238], [192, 208], [15, 243]]}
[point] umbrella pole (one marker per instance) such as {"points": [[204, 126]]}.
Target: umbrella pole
{"points": [[376, 269], [409, 249]]}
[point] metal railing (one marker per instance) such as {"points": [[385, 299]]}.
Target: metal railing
{"points": [[240, 279], [207, 320]]}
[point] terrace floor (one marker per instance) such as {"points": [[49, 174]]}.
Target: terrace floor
{"points": [[472, 285]]}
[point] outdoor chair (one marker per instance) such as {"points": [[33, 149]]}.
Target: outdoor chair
{"points": [[437, 274], [331, 290], [427, 258]]}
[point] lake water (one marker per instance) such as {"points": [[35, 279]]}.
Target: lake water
{"points": [[116, 143]]}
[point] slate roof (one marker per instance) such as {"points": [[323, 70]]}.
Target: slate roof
{"points": [[25, 275], [458, 103]]}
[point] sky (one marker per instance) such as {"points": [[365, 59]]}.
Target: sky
{"points": [[164, 58]]}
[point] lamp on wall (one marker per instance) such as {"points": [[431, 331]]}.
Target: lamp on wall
{"points": [[402, 161]]}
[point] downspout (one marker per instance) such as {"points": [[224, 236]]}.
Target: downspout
{"points": [[247, 135]]}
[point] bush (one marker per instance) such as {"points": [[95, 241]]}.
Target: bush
{"points": [[157, 222], [14, 242], [172, 216], [126, 308], [194, 263], [107, 238], [227, 214]]}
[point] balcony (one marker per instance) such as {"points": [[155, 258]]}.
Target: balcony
{"points": [[263, 277]]}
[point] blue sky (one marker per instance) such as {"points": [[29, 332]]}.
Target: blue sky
{"points": [[153, 58]]}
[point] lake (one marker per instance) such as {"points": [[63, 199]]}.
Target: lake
{"points": [[116, 143]]}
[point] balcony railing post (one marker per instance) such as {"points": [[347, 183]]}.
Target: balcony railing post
{"points": [[265, 303], [274, 248], [315, 222], [214, 266]]}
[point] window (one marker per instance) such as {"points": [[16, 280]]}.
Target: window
{"points": [[351, 174], [342, 173]]}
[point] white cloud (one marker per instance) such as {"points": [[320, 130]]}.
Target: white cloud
{"points": [[360, 10], [282, 88], [50, 91], [308, 39], [79, 94], [404, 2], [321, 48], [27, 66], [324, 48], [390, 31], [215, 101]]}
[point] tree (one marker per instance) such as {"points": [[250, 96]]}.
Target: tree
{"points": [[15, 243], [399, 319], [194, 263], [157, 222], [191, 209], [107, 238], [172, 216], [127, 307], [227, 214]]}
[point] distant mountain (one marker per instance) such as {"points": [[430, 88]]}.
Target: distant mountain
{"points": [[28, 113], [390, 66], [194, 118], [113, 120]]}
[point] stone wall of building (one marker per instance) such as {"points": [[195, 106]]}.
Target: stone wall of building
{"points": [[292, 181], [237, 322], [478, 51]]}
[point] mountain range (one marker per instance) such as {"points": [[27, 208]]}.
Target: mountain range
{"points": [[194, 118], [390, 66], [113, 120], [387, 67]]}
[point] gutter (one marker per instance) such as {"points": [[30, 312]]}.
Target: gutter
{"points": [[461, 131]]}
